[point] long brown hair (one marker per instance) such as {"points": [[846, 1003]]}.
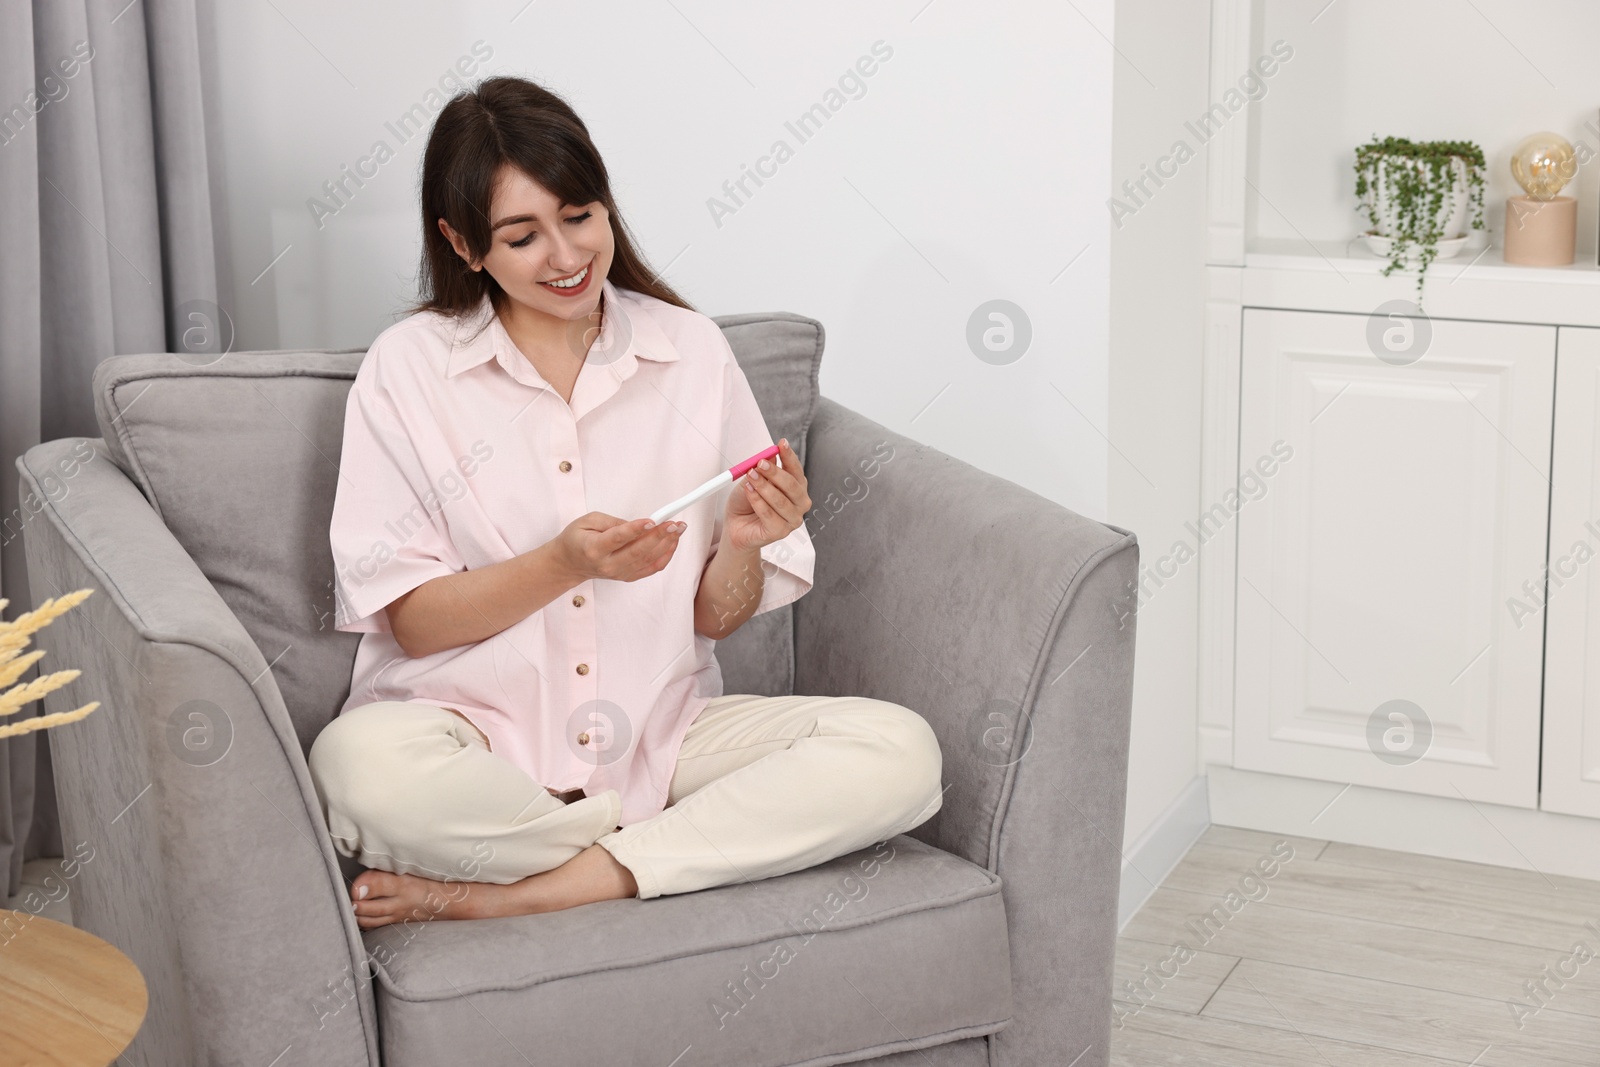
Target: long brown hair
{"points": [[512, 121]]}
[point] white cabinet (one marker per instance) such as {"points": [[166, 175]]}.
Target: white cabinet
{"points": [[1572, 633], [1400, 552], [1390, 508]]}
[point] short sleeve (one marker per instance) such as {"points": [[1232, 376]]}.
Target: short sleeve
{"points": [[388, 531], [788, 564]]}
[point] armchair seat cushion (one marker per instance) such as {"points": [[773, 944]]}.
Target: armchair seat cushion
{"points": [[896, 946]]}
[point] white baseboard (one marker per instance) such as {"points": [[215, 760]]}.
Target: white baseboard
{"points": [[1448, 827], [1148, 861]]}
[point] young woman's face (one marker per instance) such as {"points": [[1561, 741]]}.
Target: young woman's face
{"points": [[537, 241]]}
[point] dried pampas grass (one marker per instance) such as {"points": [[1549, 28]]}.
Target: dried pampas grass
{"points": [[14, 637]]}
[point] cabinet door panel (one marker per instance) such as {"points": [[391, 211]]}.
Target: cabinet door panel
{"points": [[1572, 631], [1374, 642]]}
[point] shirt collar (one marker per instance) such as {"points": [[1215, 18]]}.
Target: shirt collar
{"points": [[481, 336]]}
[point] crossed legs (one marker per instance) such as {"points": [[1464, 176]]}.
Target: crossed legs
{"points": [[763, 786]]}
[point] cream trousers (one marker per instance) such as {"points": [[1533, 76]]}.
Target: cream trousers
{"points": [[763, 786]]}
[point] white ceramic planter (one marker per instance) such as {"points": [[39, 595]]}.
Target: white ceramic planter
{"points": [[1452, 213]]}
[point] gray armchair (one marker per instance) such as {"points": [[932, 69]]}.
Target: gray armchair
{"points": [[985, 936]]}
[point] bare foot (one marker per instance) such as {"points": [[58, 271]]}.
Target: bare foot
{"points": [[592, 875], [391, 898]]}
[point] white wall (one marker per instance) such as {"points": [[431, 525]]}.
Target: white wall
{"points": [[1157, 298], [1490, 71], [973, 167]]}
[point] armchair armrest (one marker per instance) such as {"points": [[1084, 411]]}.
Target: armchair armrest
{"points": [[211, 867], [1007, 621]]}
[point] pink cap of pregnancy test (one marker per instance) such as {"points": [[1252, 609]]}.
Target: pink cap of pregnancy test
{"points": [[739, 469]]}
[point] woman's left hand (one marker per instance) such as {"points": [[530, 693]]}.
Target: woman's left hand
{"points": [[768, 503]]}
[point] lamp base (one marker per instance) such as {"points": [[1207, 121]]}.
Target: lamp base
{"points": [[1541, 233]]}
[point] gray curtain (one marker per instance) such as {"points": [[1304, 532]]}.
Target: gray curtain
{"points": [[106, 234]]}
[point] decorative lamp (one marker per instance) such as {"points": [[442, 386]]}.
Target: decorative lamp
{"points": [[1541, 227]]}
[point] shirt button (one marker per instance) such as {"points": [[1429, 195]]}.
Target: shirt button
{"points": [[566, 465], [583, 739], [577, 601], [583, 668]]}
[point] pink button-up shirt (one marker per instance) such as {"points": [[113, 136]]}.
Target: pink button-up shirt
{"points": [[457, 455]]}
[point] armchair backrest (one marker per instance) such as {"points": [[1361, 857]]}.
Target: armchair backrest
{"points": [[239, 458]]}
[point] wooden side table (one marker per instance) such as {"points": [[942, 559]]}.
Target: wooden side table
{"points": [[67, 998]]}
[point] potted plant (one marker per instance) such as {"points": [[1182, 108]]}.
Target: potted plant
{"points": [[14, 637], [1418, 197]]}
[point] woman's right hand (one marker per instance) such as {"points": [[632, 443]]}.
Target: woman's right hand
{"points": [[598, 545]]}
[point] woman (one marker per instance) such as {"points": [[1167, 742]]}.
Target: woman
{"points": [[536, 714]]}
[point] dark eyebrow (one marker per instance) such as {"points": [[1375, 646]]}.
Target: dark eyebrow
{"points": [[513, 220]]}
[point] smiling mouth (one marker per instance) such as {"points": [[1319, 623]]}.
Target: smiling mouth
{"points": [[572, 284]]}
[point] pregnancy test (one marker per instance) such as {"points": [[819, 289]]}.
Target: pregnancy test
{"points": [[727, 477]]}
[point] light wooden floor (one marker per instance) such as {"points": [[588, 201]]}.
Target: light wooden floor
{"points": [[1354, 956]]}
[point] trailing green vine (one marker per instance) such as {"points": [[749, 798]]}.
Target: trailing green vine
{"points": [[1417, 180]]}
